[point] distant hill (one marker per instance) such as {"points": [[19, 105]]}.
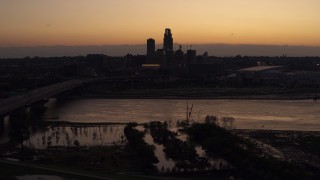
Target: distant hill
{"points": [[121, 50]]}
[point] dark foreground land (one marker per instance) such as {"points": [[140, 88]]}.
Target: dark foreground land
{"points": [[246, 154], [301, 147]]}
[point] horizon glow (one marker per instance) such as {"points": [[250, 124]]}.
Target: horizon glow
{"points": [[107, 22]]}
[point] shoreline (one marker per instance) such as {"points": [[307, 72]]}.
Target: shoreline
{"points": [[245, 93], [85, 124], [253, 97], [98, 124]]}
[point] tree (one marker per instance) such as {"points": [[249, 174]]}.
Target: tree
{"points": [[228, 122], [209, 119]]}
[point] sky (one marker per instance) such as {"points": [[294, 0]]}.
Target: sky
{"points": [[117, 22]]}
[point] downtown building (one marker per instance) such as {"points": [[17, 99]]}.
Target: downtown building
{"points": [[167, 57]]}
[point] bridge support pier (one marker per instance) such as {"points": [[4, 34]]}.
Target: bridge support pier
{"points": [[1, 122], [37, 109], [19, 114], [18, 118], [38, 106]]}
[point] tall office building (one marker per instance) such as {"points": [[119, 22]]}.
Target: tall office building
{"points": [[179, 58], [167, 40], [191, 56], [151, 46]]}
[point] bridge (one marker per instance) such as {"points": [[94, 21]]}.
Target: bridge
{"points": [[9, 105], [21, 100]]}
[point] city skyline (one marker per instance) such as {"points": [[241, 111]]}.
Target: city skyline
{"points": [[104, 22], [167, 46]]}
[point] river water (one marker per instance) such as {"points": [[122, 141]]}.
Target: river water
{"points": [[301, 115]]}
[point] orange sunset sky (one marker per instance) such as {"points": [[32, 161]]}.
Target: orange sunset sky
{"points": [[113, 22]]}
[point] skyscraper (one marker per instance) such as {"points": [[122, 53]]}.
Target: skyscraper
{"points": [[167, 40], [151, 46], [191, 56]]}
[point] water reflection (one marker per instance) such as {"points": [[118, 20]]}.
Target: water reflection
{"points": [[66, 136], [293, 115], [84, 136], [164, 162], [216, 162], [249, 114]]}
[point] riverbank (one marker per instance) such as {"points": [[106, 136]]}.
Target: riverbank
{"points": [[206, 93]]}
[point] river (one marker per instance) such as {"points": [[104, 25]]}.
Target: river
{"points": [[299, 115]]}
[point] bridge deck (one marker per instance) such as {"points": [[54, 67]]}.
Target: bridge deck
{"points": [[12, 103]]}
